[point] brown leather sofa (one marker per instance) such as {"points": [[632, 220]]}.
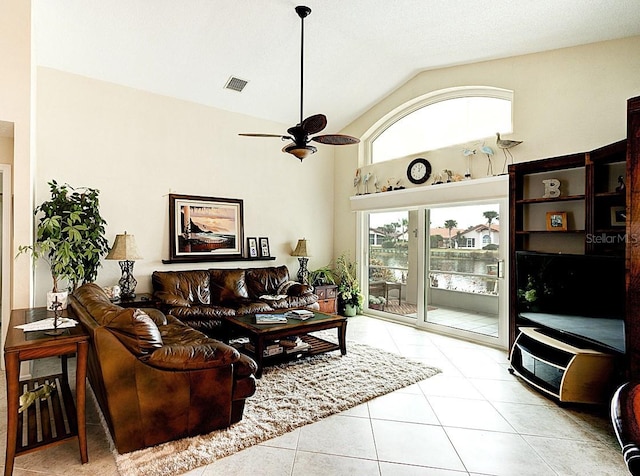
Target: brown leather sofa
{"points": [[154, 377], [203, 298]]}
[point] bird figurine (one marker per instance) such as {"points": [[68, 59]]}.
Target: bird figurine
{"points": [[365, 181], [468, 153], [356, 182], [488, 151], [505, 145]]}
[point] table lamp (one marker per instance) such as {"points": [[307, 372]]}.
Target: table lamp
{"points": [[302, 254], [126, 252]]}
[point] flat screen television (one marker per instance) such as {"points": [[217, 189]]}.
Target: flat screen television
{"points": [[581, 296]]}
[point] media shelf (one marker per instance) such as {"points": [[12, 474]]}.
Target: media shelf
{"points": [[561, 370]]}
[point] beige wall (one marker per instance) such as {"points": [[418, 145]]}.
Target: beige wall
{"points": [[137, 147], [565, 101], [15, 107]]}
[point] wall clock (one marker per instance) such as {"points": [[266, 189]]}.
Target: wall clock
{"points": [[419, 170]]}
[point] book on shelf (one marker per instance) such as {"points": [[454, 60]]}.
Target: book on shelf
{"points": [[270, 318], [300, 314]]}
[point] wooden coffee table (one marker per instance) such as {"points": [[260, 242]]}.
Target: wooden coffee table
{"points": [[261, 334]]}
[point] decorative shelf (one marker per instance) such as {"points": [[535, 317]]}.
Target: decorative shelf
{"points": [[564, 232], [548, 200], [205, 259]]}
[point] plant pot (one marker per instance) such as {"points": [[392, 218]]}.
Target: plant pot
{"points": [[61, 297], [350, 310]]}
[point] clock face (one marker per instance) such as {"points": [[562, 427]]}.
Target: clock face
{"points": [[419, 170]]}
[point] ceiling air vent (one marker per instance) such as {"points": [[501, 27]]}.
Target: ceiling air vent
{"points": [[235, 84]]}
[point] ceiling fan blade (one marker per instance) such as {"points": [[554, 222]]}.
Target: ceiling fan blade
{"points": [[336, 139], [280, 136], [314, 124]]}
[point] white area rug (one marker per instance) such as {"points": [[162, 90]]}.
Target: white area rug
{"points": [[287, 397]]}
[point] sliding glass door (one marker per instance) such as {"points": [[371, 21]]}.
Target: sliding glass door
{"points": [[439, 267]]}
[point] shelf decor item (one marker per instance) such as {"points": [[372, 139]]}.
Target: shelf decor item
{"points": [[126, 252], [205, 228], [302, 254], [618, 216], [252, 247], [264, 247], [556, 221]]}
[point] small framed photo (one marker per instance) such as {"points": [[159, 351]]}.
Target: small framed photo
{"points": [[252, 247], [618, 216], [264, 247], [556, 221]]}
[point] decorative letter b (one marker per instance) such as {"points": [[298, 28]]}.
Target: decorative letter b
{"points": [[551, 188]]}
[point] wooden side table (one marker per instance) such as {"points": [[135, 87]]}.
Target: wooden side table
{"points": [[327, 298], [141, 300], [57, 419]]}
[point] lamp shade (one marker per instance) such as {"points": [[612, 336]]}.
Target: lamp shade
{"points": [[124, 248], [301, 249]]}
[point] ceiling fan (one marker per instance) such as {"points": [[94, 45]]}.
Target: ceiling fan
{"points": [[301, 132]]}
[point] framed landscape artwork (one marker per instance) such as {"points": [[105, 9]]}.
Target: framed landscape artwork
{"points": [[205, 228]]}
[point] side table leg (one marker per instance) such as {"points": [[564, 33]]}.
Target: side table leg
{"points": [[342, 338], [13, 394], [81, 395]]}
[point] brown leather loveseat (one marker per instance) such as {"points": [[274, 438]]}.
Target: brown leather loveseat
{"points": [[203, 298], [155, 378]]}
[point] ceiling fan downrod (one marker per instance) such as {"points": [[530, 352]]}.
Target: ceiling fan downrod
{"points": [[303, 12]]}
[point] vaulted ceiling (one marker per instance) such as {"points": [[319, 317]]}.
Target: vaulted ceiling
{"points": [[357, 51]]}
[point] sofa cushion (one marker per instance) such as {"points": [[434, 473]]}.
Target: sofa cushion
{"points": [[228, 285], [182, 288], [136, 330], [184, 357], [265, 280]]}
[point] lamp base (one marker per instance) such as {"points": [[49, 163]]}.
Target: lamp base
{"points": [[127, 281], [303, 272]]}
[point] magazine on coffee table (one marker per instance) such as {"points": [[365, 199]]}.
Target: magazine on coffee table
{"points": [[270, 318], [300, 314]]}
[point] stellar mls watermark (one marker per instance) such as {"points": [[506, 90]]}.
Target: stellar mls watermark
{"points": [[611, 238]]}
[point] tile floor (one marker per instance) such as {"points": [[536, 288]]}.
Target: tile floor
{"points": [[472, 419]]}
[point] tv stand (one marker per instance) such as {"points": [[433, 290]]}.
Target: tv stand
{"points": [[566, 372]]}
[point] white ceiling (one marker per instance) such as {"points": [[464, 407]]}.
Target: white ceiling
{"points": [[356, 51]]}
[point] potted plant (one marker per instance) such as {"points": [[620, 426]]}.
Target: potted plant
{"points": [[70, 236], [322, 276], [349, 296]]}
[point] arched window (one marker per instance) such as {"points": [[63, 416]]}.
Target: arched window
{"points": [[486, 239], [441, 119]]}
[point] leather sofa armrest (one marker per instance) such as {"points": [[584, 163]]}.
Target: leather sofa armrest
{"points": [[244, 367], [169, 299], [193, 357], [293, 288]]}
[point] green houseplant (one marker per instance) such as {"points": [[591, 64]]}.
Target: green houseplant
{"points": [[349, 296], [70, 235], [322, 276]]}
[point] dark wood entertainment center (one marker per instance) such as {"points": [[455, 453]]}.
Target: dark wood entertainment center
{"points": [[586, 203]]}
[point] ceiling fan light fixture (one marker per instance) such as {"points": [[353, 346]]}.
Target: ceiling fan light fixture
{"points": [[300, 152]]}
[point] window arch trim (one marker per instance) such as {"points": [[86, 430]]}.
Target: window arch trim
{"points": [[425, 100]]}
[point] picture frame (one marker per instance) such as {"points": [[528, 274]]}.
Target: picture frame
{"points": [[264, 247], [205, 228], [556, 221], [252, 247], [618, 216]]}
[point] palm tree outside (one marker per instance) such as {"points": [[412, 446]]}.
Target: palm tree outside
{"points": [[490, 216], [449, 225]]}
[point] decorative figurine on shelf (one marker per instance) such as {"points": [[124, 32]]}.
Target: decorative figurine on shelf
{"points": [[621, 186], [43, 392], [356, 182], [365, 180], [488, 151], [468, 153], [437, 179], [57, 314], [551, 188], [376, 184], [449, 174], [505, 145]]}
